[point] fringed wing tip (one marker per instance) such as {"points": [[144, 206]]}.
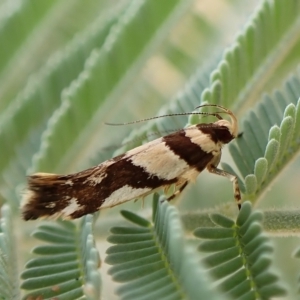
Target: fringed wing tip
{"points": [[28, 210], [32, 205]]}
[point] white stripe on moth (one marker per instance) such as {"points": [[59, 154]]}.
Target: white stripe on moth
{"points": [[71, 207], [143, 148], [161, 161], [203, 140], [95, 179], [98, 174], [125, 193]]}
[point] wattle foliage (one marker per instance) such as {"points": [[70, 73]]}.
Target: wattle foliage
{"points": [[66, 67]]}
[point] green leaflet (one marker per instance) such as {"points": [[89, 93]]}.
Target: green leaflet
{"points": [[154, 262], [239, 253], [260, 169], [67, 266], [135, 218]]}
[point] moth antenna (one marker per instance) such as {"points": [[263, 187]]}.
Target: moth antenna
{"points": [[152, 118], [170, 115]]}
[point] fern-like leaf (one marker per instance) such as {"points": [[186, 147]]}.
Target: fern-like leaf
{"points": [[67, 266], [152, 260], [100, 85], [11, 38], [240, 256], [24, 120], [276, 143], [260, 48]]}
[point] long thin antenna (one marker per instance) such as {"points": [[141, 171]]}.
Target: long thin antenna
{"points": [[157, 117], [215, 114]]}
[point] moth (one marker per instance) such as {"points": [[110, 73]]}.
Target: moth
{"points": [[173, 160]]}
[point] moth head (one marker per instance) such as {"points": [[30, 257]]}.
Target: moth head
{"points": [[232, 125]]}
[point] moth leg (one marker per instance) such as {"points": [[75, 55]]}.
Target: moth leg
{"points": [[232, 178], [182, 187]]}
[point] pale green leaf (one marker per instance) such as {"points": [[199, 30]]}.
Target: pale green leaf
{"points": [[24, 121], [260, 170], [68, 263], [243, 266], [156, 263], [98, 89], [247, 66]]}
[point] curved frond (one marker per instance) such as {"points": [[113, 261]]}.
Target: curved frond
{"points": [[270, 140], [250, 63], [9, 283], [67, 266], [240, 256], [152, 260], [11, 38], [24, 121], [31, 31], [98, 89]]}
